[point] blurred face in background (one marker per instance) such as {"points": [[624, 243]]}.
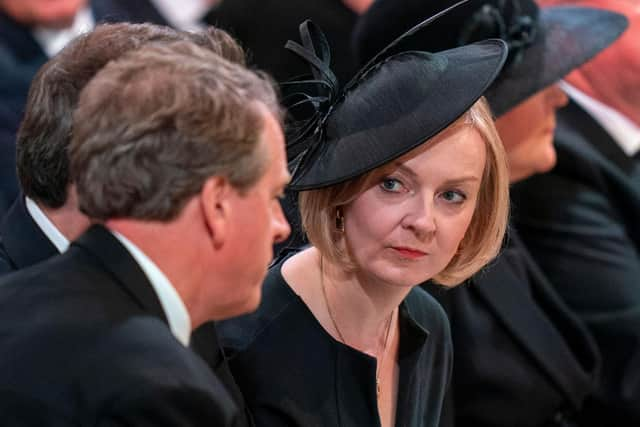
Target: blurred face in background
{"points": [[527, 133], [45, 13], [621, 59]]}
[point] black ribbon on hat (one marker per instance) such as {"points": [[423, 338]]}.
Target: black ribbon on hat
{"points": [[305, 137], [320, 92], [489, 21]]}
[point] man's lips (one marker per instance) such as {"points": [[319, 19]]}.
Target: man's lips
{"points": [[409, 252]]}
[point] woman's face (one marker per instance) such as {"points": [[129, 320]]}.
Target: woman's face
{"points": [[407, 227], [527, 133]]}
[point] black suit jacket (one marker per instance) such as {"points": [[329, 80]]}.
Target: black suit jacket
{"points": [[20, 58], [23, 244], [582, 223], [85, 341], [521, 359]]}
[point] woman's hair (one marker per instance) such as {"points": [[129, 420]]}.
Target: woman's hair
{"points": [[319, 209]]}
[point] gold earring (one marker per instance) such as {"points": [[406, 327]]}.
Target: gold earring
{"points": [[339, 220]]}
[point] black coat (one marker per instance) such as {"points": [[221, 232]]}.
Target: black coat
{"points": [[521, 358], [582, 224], [293, 373], [84, 341], [23, 244]]}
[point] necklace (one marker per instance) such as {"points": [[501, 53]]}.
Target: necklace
{"points": [[335, 326]]}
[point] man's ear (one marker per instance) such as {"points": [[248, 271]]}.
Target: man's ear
{"points": [[217, 204]]}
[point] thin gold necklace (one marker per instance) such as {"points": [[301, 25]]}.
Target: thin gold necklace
{"points": [[335, 326]]}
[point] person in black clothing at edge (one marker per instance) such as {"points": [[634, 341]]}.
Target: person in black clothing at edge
{"points": [[45, 217], [174, 149], [522, 357], [585, 234], [402, 178]]}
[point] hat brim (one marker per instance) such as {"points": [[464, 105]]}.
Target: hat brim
{"points": [[568, 36], [411, 97]]}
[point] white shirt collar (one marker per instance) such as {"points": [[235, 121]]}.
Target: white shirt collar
{"points": [[174, 308], [185, 14], [53, 40], [622, 130], [47, 227]]}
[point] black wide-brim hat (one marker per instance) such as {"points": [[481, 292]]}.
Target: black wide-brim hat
{"points": [[395, 103], [544, 44]]}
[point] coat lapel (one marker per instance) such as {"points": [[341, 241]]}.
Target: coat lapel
{"points": [[600, 162], [106, 248], [23, 240], [540, 322]]}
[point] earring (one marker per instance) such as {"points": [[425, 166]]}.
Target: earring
{"points": [[339, 220]]}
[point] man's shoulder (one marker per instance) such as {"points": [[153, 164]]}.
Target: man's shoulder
{"points": [[132, 369], [6, 265]]}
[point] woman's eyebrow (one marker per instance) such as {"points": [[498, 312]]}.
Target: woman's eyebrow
{"points": [[459, 180], [463, 179]]}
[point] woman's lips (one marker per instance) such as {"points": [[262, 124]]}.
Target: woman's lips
{"points": [[410, 253]]}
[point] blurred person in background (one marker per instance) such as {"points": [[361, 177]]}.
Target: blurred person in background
{"points": [[45, 216], [31, 32], [581, 220], [182, 190], [521, 356]]}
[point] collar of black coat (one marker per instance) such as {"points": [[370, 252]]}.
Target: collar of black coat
{"points": [[22, 241], [115, 258]]}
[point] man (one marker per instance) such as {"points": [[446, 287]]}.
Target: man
{"points": [[31, 32], [41, 222], [180, 154], [581, 220]]}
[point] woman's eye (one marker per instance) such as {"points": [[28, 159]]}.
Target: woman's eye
{"points": [[452, 196], [391, 185]]}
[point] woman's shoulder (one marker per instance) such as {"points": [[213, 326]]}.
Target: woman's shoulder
{"points": [[277, 297], [426, 311]]}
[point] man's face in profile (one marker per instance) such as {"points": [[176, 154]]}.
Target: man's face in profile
{"points": [[258, 222]]}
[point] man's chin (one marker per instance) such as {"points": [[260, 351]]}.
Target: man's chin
{"points": [[57, 23], [250, 304]]}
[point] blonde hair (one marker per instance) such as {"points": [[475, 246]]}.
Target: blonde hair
{"points": [[320, 208]]}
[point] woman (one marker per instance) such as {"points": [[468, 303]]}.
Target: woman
{"points": [[402, 179], [522, 359]]}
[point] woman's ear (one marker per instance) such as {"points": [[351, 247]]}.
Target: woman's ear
{"points": [[215, 199]]}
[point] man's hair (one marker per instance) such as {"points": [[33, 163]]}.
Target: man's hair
{"points": [[46, 130], [154, 125], [483, 239]]}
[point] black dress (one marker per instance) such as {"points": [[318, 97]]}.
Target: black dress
{"points": [[293, 373]]}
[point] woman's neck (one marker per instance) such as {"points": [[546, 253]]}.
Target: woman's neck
{"points": [[350, 306]]}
